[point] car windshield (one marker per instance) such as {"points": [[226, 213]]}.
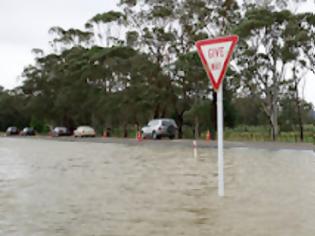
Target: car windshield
{"points": [[85, 128], [60, 129]]}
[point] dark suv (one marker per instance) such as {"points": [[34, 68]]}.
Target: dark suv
{"points": [[27, 131], [60, 131], [12, 131]]}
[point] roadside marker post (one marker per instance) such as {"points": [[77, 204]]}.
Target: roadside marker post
{"points": [[208, 136], [139, 136], [195, 149], [215, 55]]}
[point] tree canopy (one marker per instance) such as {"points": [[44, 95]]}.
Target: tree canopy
{"points": [[129, 66]]}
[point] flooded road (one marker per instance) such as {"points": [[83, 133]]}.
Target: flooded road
{"points": [[78, 188]]}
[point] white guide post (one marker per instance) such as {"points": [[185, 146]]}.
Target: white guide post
{"points": [[220, 141], [195, 149]]}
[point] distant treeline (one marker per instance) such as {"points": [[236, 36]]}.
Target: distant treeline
{"points": [[128, 67]]}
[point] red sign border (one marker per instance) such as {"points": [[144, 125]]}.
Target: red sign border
{"points": [[200, 43]]}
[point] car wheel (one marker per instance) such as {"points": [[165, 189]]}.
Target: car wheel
{"points": [[171, 136], [154, 135]]}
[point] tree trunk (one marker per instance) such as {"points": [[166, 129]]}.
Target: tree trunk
{"points": [[196, 133], [274, 122], [157, 111], [125, 131], [298, 105], [274, 109], [300, 119], [301, 131], [180, 121]]}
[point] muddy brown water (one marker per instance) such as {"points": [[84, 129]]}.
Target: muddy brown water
{"points": [[70, 188]]}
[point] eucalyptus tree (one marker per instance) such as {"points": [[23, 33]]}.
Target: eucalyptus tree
{"points": [[152, 29], [194, 90], [66, 39], [149, 30], [59, 89], [168, 30], [267, 40], [292, 5], [103, 25], [124, 78], [299, 49], [207, 19], [36, 93], [13, 110]]}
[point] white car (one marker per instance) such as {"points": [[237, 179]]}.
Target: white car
{"points": [[84, 131], [159, 128]]}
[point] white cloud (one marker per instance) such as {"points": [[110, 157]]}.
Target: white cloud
{"points": [[309, 87]]}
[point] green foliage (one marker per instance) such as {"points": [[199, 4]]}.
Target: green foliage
{"points": [[129, 3], [248, 111], [132, 38], [262, 134], [13, 111], [161, 11], [107, 17], [202, 111], [39, 125]]}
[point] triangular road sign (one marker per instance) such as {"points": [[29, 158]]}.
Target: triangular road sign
{"points": [[215, 55]]}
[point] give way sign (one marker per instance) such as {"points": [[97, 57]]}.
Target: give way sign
{"points": [[215, 55]]}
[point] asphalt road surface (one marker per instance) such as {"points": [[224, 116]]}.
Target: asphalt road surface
{"points": [[181, 143]]}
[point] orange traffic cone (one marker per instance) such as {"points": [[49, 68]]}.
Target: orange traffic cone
{"points": [[208, 137], [139, 136]]}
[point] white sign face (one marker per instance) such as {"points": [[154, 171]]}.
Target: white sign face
{"points": [[215, 56]]}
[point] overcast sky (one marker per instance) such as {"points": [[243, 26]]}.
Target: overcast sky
{"points": [[24, 25]]}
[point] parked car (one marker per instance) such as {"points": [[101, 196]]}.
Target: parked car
{"points": [[12, 131], [27, 131], [159, 128], [84, 131], [60, 131]]}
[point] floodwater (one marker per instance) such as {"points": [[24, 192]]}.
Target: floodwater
{"points": [[52, 188]]}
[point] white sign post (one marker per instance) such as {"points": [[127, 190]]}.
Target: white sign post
{"points": [[215, 55], [220, 142]]}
